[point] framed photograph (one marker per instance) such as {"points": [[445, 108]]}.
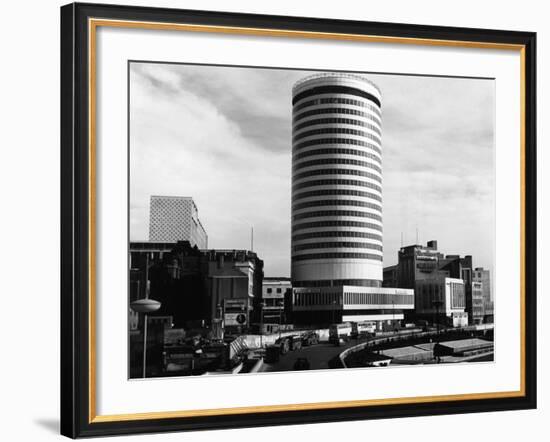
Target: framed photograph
{"points": [[273, 220]]}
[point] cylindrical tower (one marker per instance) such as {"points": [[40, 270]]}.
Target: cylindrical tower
{"points": [[336, 182]]}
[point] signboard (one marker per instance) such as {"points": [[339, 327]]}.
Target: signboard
{"points": [[235, 305], [236, 319]]}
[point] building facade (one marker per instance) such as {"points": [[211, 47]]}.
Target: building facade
{"points": [[195, 286], [415, 262], [477, 310], [274, 293], [336, 182], [175, 218], [328, 305], [483, 276], [441, 299], [233, 285], [418, 263]]}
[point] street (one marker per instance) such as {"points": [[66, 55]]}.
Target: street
{"points": [[318, 356]]}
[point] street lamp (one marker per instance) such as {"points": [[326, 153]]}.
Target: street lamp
{"points": [[145, 306], [261, 324], [281, 306], [437, 304]]}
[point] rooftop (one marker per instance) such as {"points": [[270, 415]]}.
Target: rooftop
{"points": [[334, 75]]}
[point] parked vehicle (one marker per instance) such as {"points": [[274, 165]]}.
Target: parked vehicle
{"points": [[295, 342], [310, 338], [283, 344], [362, 328], [301, 364], [337, 332]]}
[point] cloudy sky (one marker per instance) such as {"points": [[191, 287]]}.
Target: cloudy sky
{"points": [[223, 136]]}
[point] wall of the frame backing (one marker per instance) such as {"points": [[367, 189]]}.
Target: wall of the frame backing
{"points": [[29, 172]]}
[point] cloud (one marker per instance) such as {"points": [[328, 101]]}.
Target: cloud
{"points": [[223, 136]]}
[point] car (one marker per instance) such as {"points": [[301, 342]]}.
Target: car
{"points": [[295, 342], [301, 364], [310, 338], [283, 344]]}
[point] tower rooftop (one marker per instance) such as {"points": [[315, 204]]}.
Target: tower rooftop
{"points": [[327, 75]]}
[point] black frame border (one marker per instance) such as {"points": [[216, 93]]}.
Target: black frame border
{"points": [[75, 219]]}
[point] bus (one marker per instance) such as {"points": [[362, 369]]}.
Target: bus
{"points": [[362, 328], [339, 331]]}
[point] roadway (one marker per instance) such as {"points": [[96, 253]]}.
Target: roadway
{"points": [[318, 356]]}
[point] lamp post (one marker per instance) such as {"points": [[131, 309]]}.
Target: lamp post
{"points": [[145, 306], [281, 306], [437, 303], [261, 324], [393, 313]]}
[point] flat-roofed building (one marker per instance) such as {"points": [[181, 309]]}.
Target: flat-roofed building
{"points": [[176, 218], [477, 311], [274, 292], [327, 305], [441, 298], [193, 285], [483, 276]]}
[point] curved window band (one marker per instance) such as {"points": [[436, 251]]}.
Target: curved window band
{"points": [[348, 161], [336, 151], [313, 256], [338, 131], [337, 203], [336, 234], [338, 121], [336, 182], [338, 283], [335, 110], [333, 89], [351, 141], [331, 192], [337, 244], [338, 100], [354, 172], [335, 223], [323, 213]]}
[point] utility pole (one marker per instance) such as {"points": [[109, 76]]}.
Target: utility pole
{"points": [[251, 238]]}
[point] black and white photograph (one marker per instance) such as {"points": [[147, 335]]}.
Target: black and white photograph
{"points": [[285, 220]]}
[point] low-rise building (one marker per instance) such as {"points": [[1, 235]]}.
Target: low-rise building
{"points": [[424, 268], [442, 300], [477, 311], [272, 304], [191, 284], [483, 276], [330, 305]]}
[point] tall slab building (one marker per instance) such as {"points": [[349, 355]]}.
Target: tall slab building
{"points": [[336, 182], [176, 218]]}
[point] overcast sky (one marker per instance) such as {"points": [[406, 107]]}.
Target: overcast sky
{"points": [[222, 135]]}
